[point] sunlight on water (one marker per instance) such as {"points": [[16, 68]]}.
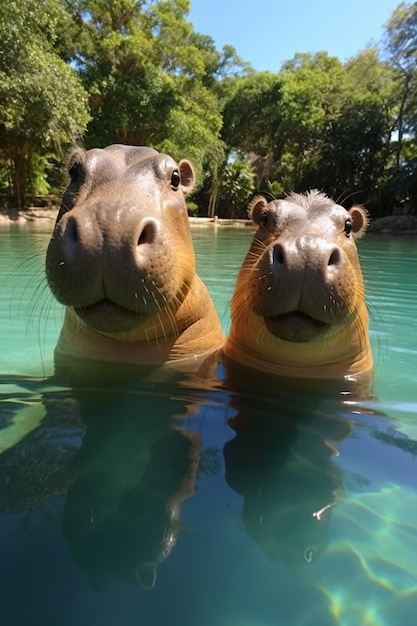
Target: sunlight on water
{"points": [[372, 584], [156, 504]]}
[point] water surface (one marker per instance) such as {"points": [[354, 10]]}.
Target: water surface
{"points": [[156, 503]]}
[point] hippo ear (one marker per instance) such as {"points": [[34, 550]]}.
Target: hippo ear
{"points": [[257, 209], [187, 175], [360, 220]]}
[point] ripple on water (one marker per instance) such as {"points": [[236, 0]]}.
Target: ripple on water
{"points": [[373, 551]]}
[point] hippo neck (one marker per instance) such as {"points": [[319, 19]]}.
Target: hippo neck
{"points": [[190, 333], [345, 352]]}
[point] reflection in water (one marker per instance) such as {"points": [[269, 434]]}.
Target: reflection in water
{"points": [[355, 546], [40, 433], [125, 464], [281, 462], [127, 483]]}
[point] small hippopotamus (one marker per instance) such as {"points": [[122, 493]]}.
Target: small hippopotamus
{"points": [[298, 308], [121, 260]]}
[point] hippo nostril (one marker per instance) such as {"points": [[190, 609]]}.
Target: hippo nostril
{"points": [[278, 254], [335, 257], [148, 234]]}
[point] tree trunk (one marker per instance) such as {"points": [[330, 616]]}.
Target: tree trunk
{"points": [[20, 165], [211, 212], [214, 191]]}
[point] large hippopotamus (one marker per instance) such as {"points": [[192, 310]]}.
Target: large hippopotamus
{"points": [[121, 260], [298, 308]]}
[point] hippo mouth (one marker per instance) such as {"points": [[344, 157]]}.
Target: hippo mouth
{"points": [[107, 316], [295, 326]]}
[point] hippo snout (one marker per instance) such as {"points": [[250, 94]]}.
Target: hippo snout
{"points": [[306, 254], [118, 236]]}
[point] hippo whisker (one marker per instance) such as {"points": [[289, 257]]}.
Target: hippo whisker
{"points": [[162, 326], [65, 207], [17, 269], [261, 334], [39, 309], [263, 277], [39, 303], [43, 320], [254, 256], [39, 297], [346, 195], [248, 267], [170, 315], [257, 253], [148, 339]]}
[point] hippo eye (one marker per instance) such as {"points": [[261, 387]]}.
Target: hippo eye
{"points": [[263, 221], [348, 227], [175, 180]]}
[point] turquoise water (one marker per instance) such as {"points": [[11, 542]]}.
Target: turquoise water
{"points": [[161, 504]]}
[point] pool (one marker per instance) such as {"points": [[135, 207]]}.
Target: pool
{"points": [[154, 504]]}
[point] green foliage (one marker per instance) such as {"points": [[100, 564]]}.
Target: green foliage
{"points": [[42, 103], [135, 71], [400, 48], [193, 127], [252, 113], [149, 76], [317, 124], [237, 186]]}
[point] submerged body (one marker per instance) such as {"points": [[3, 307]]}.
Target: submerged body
{"points": [[121, 260], [298, 308]]}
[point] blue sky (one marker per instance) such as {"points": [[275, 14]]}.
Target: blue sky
{"points": [[267, 32]]}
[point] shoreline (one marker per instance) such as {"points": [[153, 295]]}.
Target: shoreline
{"points": [[389, 225], [31, 214], [38, 215]]}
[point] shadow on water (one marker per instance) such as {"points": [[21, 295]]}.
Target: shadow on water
{"points": [[281, 461], [136, 466], [116, 463]]}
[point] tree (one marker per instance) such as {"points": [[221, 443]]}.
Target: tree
{"points": [[400, 51], [150, 77], [313, 88], [236, 188], [317, 124], [252, 114], [42, 103]]}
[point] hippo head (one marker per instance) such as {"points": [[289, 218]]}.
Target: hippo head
{"points": [[121, 258], [298, 306]]}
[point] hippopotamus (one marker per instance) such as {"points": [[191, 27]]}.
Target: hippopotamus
{"points": [[121, 260], [298, 308]]}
